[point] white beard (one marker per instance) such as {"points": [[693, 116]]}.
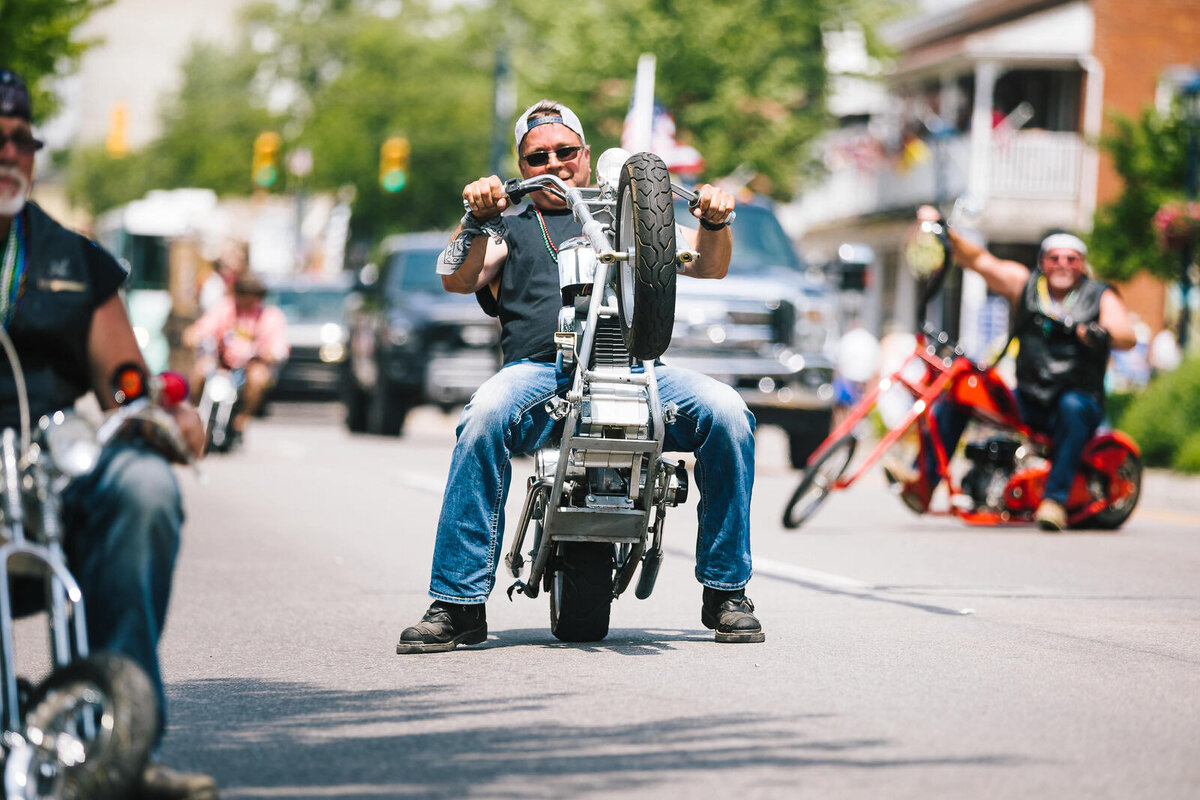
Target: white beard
{"points": [[12, 203]]}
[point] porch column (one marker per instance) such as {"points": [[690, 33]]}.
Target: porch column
{"points": [[974, 290]]}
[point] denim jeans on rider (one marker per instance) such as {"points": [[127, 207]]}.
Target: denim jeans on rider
{"points": [[507, 416], [1070, 424], [125, 519]]}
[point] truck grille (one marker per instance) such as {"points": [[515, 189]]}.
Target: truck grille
{"points": [[746, 325]]}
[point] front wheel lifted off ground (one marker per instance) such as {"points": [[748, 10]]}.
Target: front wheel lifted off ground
{"points": [[818, 482], [646, 232]]}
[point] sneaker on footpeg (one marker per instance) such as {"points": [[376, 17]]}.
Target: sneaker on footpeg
{"points": [[731, 615], [444, 627]]}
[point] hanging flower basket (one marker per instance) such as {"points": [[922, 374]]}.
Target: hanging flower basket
{"points": [[1176, 223]]}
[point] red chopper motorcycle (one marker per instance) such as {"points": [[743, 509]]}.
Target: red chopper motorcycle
{"points": [[1007, 476]]}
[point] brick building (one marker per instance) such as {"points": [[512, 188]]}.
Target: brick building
{"points": [[1002, 100]]}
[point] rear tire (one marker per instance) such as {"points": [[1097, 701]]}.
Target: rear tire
{"points": [[1114, 516], [818, 481], [646, 232], [581, 591], [116, 694]]}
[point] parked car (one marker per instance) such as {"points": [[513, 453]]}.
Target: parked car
{"points": [[315, 308], [768, 329], [411, 342]]}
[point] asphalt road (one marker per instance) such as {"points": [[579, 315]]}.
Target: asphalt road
{"points": [[905, 657]]}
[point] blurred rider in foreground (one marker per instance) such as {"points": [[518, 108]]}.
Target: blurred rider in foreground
{"points": [[61, 308], [513, 261], [1060, 375]]}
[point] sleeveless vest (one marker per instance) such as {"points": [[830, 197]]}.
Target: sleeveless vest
{"points": [[529, 298], [66, 278], [1051, 360]]}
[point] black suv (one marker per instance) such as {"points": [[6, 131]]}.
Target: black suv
{"points": [[768, 329], [411, 342]]}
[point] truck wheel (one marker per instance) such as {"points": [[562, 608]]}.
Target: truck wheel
{"points": [[102, 715], [388, 410], [803, 442], [356, 402], [818, 482], [581, 591], [646, 232]]}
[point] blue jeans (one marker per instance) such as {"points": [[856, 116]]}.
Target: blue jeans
{"points": [[1070, 424], [507, 416], [123, 523]]}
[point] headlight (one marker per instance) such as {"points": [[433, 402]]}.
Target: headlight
{"points": [[71, 442], [331, 333], [332, 352], [220, 388]]}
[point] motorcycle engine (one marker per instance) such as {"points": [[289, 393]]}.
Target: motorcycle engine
{"points": [[992, 463]]}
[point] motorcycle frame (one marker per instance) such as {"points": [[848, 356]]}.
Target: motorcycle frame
{"points": [[41, 557], [627, 522]]}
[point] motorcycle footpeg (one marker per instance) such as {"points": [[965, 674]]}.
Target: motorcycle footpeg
{"points": [[519, 587]]}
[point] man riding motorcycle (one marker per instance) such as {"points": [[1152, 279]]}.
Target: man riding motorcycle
{"points": [[1065, 323], [62, 309], [514, 269], [242, 333]]}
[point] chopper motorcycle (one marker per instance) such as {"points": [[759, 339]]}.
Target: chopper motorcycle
{"points": [[1009, 466], [596, 503], [86, 729]]}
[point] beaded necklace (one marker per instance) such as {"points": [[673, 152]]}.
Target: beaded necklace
{"points": [[12, 274], [1056, 310], [546, 240]]}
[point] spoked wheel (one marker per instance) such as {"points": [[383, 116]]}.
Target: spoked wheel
{"points": [[89, 729], [1127, 475], [818, 481], [646, 232], [581, 591]]}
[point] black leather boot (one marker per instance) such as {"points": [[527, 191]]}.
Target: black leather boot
{"points": [[444, 627], [731, 615]]}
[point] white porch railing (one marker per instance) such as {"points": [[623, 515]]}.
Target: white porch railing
{"points": [[1027, 165]]}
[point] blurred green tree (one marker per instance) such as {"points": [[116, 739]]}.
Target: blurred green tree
{"points": [[1149, 153], [746, 83], [37, 40]]}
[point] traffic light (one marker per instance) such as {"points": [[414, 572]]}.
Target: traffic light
{"points": [[115, 143], [393, 164], [265, 169]]}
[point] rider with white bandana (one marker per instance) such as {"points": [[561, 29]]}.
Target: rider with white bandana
{"points": [[1065, 323]]}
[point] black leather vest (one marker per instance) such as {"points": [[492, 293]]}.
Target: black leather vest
{"points": [[1050, 359], [529, 298], [66, 278]]}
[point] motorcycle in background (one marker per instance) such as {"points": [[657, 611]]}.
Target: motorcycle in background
{"points": [[1005, 482], [218, 401]]}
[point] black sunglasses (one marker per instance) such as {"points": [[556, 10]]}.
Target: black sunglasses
{"points": [[541, 158], [25, 143]]}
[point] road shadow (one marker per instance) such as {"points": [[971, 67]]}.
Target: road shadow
{"points": [[294, 740]]}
